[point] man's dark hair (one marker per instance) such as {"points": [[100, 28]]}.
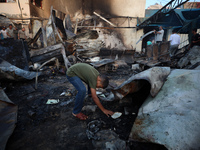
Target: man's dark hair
{"points": [[174, 31], [10, 25], [195, 29], [104, 80]]}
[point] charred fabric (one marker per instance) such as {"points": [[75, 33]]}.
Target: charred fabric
{"points": [[158, 95]]}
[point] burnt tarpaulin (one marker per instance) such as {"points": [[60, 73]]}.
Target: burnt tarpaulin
{"points": [[11, 72], [172, 117], [156, 76], [15, 52], [8, 118]]}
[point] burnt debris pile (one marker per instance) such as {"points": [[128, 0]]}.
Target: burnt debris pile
{"points": [[154, 95]]}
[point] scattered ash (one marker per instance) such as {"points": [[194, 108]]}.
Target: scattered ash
{"points": [[42, 126]]}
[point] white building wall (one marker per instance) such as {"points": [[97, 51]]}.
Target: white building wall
{"points": [[130, 8], [12, 9]]}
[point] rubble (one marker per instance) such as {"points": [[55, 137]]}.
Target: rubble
{"points": [[8, 71], [8, 119], [92, 128], [171, 106], [171, 118], [135, 67], [156, 54], [91, 108], [192, 58], [109, 140]]}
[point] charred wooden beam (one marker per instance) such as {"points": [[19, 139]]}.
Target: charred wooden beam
{"points": [[48, 49]]}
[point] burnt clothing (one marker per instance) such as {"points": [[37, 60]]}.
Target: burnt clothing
{"points": [[195, 37]]}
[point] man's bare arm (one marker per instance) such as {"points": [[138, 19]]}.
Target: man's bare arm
{"points": [[98, 103], [158, 32]]}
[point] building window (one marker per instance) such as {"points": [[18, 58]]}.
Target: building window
{"points": [[7, 1], [37, 3]]}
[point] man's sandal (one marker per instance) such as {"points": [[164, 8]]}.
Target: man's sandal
{"points": [[80, 116]]}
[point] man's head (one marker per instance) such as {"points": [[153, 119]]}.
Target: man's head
{"points": [[102, 81], [4, 28], [160, 28], [23, 29], [174, 31], [194, 31], [10, 26]]}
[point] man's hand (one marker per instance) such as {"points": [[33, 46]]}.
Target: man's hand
{"points": [[108, 112], [98, 103]]}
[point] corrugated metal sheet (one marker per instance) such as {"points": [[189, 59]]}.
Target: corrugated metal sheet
{"points": [[172, 117], [8, 118]]}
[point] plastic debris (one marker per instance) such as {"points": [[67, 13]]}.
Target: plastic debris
{"points": [[94, 59], [98, 93], [135, 66], [109, 97], [116, 115], [52, 101], [65, 94], [102, 95]]}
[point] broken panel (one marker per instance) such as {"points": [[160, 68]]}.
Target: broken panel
{"points": [[156, 76], [8, 118], [172, 117]]}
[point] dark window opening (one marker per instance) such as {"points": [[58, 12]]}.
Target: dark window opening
{"points": [[37, 3], [2, 1]]}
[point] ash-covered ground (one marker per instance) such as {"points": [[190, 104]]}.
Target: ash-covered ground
{"points": [[52, 127]]}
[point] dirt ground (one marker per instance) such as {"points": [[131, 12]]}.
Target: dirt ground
{"points": [[46, 127]]}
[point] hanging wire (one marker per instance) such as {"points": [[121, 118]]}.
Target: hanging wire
{"points": [[122, 22]]}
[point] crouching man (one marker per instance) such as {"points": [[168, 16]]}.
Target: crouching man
{"points": [[84, 72]]}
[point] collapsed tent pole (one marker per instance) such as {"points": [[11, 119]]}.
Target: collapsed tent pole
{"points": [[66, 61], [36, 78], [105, 19], [76, 25]]}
